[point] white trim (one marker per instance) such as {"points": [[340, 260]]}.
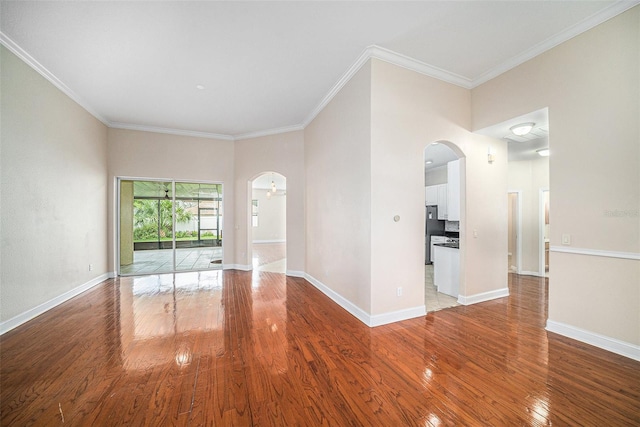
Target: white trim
{"points": [[40, 69], [484, 296], [397, 316], [595, 252], [112, 274], [351, 71], [391, 57], [353, 309], [531, 273], [360, 314], [295, 273], [241, 267], [21, 318], [170, 131], [258, 242], [553, 41], [601, 341], [268, 132], [418, 66]]}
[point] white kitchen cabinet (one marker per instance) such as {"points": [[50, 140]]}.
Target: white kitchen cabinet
{"points": [[442, 202], [437, 195], [446, 270], [431, 195], [453, 190]]}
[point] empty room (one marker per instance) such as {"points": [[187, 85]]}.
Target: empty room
{"points": [[320, 213]]}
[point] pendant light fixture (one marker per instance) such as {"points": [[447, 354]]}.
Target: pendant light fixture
{"points": [[273, 185]]}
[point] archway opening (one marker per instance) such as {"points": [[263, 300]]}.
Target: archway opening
{"points": [[267, 233], [444, 187]]}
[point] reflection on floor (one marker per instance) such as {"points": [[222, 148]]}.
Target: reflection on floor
{"points": [[270, 257], [435, 300], [161, 260]]}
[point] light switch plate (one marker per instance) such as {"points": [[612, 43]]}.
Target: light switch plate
{"points": [[566, 239]]}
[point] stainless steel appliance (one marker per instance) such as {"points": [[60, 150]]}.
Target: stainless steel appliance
{"points": [[434, 227]]}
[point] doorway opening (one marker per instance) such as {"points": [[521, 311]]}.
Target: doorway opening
{"points": [[544, 233], [514, 255], [268, 225], [444, 195], [167, 226]]}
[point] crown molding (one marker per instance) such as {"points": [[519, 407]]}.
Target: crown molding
{"points": [[412, 64], [391, 57], [170, 131], [351, 71], [594, 20], [13, 47], [268, 132]]}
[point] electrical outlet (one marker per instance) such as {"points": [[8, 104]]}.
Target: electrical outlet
{"points": [[399, 291], [566, 239], [90, 267]]}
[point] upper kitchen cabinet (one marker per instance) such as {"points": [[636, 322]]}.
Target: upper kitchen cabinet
{"points": [[431, 195], [443, 208], [453, 191], [436, 195]]}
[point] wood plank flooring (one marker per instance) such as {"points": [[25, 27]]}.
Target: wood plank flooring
{"points": [[230, 348]]}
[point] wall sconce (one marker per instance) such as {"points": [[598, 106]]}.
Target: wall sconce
{"points": [[490, 157]]}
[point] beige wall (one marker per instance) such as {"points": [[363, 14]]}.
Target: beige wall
{"points": [[139, 154], [272, 217], [591, 85], [410, 111], [284, 154], [338, 193], [53, 209], [529, 177]]}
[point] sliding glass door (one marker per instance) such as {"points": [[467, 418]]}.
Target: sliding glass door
{"points": [[168, 226]]}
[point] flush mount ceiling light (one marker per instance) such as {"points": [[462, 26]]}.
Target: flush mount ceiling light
{"points": [[522, 129], [544, 152], [428, 162], [200, 87]]}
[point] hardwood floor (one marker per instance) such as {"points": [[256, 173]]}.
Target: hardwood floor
{"points": [[239, 348]]}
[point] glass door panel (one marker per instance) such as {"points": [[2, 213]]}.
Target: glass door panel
{"points": [[146, 227], [149, 215], [198, 225]]}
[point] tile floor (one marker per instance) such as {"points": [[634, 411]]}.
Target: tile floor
{"points": [[269, 257], [160, 260], [435, 300]]}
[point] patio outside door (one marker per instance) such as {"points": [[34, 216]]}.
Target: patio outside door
{"points": [[168, 226]]}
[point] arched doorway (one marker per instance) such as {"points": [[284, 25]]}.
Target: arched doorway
{"points": [[267, 226], [444, 171]]}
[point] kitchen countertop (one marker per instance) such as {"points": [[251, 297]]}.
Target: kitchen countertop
{"points": [[448, 245]]}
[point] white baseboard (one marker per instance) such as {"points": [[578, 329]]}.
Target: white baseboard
{"points": [[269, 241], [613, 345], [397, 316], [531, 273], [360, 314], [485, 296], [241, 267], [112, 274], [21, 318], [356, 311], [295, 273]]}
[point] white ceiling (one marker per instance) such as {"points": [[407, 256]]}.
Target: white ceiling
{"points": [[269, 66], [522, 147]]}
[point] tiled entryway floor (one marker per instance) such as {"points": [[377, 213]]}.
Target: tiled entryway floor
{"points": [[435, 300], [269, 257], [160, 260]]}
